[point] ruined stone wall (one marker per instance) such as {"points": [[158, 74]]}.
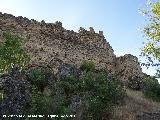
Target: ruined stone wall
{"points": [[52, 44], [127, 66]]}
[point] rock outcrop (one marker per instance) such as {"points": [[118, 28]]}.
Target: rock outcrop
{"points": [[50, 43], [17, 91], [127, 66]]}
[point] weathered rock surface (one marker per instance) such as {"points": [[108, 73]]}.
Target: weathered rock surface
{"points": [[76, 105], [52, 44], [136, 83], [127, 66], [17, 92], [68, 70], [17, 89]]}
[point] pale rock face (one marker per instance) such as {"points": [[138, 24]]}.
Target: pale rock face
{"points": [[127, 66], [49, 42]]}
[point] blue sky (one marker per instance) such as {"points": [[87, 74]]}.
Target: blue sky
{"points": [[120, 20]]}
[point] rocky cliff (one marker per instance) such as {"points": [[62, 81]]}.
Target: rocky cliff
{"points": [[50, 43]]}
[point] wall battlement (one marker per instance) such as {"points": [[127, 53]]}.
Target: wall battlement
{"points": [[50, 43]]}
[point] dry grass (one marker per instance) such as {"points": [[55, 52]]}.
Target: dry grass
{"points": [[135, 103]]}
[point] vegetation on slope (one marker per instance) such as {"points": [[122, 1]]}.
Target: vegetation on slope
{"points": [[12, 52], [88, 96], [152, 49]]}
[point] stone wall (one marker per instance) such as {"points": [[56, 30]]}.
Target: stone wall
{"points": [[52, 44], [127, 66]]}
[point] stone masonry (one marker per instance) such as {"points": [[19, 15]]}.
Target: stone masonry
{"points": [[50, 43]]}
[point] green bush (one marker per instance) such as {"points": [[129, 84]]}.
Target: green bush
{"points": [[98, 92], [12, 53], [153, 89], [44, 104], [87, 66], [103, 92], [41, 104], [39, 77], [154, 93]]}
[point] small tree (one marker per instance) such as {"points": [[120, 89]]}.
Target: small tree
{"points": [[153, 89], [12, 53], [152, 30], [151, 49]]}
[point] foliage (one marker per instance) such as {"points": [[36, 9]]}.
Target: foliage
{"points": [[87, 66], [152, 31], [104, 92], [12, 53], [152, 49], [39, 78], [47, 105], [65, 88], [153, 89], [97, 91], [41, 104]]}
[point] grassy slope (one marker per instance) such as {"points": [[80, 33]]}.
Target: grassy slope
{"points": [[135, 103]]}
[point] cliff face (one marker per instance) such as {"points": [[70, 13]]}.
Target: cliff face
{"points": [[50, 43]]}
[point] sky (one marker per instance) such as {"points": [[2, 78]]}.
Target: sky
{"points": [[120, 20]]}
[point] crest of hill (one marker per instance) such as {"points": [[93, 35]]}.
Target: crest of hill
{"points": [[50, 43]]}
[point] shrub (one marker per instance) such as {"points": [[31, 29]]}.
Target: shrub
{"points": [[101, 93], [154, 93], [39, 77], [87, 66], [12, 53], [41, 104], [96, 92], [153, 89]]}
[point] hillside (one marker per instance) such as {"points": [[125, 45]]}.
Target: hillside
{"points": [[51, 44]]}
